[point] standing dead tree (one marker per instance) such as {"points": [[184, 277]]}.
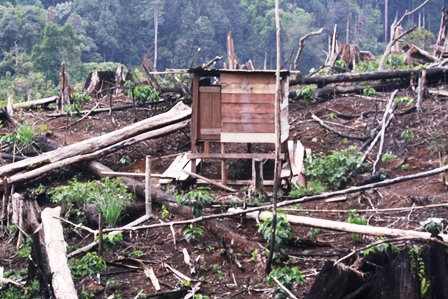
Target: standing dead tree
{"points": [[302, 45], [395, 35]]}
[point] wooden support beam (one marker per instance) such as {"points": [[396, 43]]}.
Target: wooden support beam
{"points": [[225, 156], [209, 181], [223, 166]]}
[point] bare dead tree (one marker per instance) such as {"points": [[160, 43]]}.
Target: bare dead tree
{"points": [[302, 45], [394, 39]]}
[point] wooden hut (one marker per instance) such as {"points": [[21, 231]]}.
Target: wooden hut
{"points": [[235, 106]]}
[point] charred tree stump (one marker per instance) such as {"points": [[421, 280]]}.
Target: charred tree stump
{"points": [[409, 274]]}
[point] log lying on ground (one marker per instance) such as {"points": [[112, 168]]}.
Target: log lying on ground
{"points": [[359, 89], [219, 229], [345, 227], [176, 114], [34, 103], [387, 275], [43, 170], [433, 75], [50, 255]]}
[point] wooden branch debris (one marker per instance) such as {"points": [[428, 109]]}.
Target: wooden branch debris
{"points": [[89, 146], [209, 181], [321, 122], [302, 45]]}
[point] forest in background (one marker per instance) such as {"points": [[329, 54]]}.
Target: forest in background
{"points": [[37, 35]]}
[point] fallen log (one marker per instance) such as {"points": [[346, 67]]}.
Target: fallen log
{"points": [[50, 255], [219, 229], [343, 226], [433, 75], [34, 103], [359, 89], [177, 113], [43, 170]]}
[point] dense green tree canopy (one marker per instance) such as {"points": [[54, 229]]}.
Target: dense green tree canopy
{"points": [[37, 35]]}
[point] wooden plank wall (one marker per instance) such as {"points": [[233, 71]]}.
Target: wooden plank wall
{"points": [[247, 103]]}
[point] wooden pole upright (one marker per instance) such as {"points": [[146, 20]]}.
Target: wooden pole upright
{"points": [[148, 200]]}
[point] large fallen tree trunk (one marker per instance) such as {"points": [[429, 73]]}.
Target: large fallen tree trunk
{"points": [[50, 255], [176, 114], [433, 75], [219, 229], [359, 89], [345, 227], [43, 170]]}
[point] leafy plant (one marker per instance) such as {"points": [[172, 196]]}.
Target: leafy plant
{"points": [[125, 160], [314, 232], [287, 277], [282, 229], [30, 290], [111, 240], [165, 212], [418, 265], [407, 134], [192, 233], [388, 157], [254, 255], [395, 61], [72, 109], [404, 100], [355, 218], [196, 199], [145, 94], [89, 265], [437, 142], [136, 253], [22, 137], [369, 92], [110, 196], [307, 92], [313, 187], [332, 170], [332, 116], [25, 251]]}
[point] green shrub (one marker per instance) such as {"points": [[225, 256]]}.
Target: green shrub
{"points": [[313, 187], [287, 277], [282, 229], [89, 265], [192, 233], [145, 94], [333, 170], [196, 199], [22, 137], [109, 195], [355, 218], [307, 92]]}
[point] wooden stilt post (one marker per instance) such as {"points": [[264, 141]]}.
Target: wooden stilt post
{"points": [[100, 234], [148, 201], [223, 166], [257, 175]]}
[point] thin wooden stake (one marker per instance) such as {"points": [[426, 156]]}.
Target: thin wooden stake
{"points": [[100, 234], [277, 140], [148, 200]]}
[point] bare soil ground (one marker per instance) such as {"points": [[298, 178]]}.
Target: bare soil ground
{"points": [[220, 277]]}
